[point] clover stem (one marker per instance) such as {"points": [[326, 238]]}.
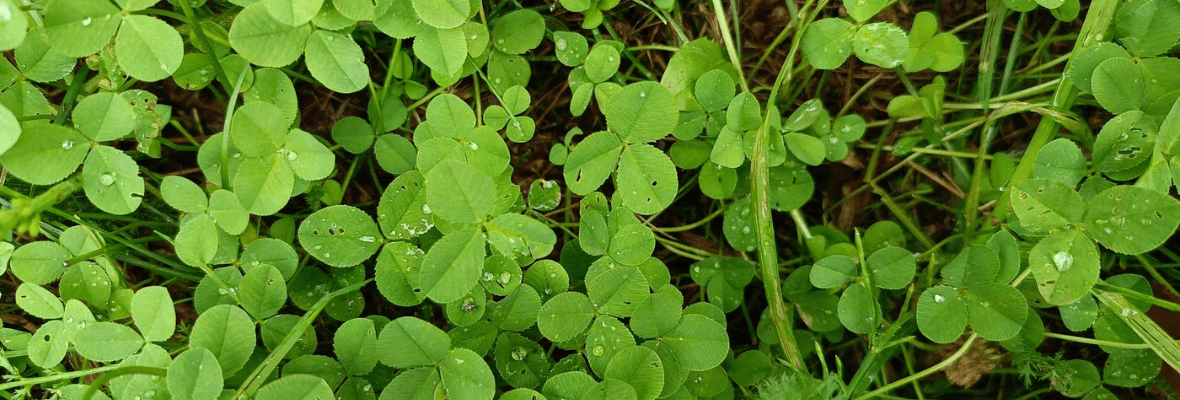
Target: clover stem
{"points": [[122, 370], [731, 46], [924, 373], [67, 105]]}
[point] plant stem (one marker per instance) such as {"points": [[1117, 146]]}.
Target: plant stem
{"points": [[122, 370], [25, 215], [924, 373]]}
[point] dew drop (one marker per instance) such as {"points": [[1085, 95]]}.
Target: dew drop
{"points": [[519, 353], [473, 146], [598, 350], [426, 209], [67, 145], [561, 44], [487, 277], [367, 239], [106, 179], [86, 22], [1062, 260], [291, 156]]}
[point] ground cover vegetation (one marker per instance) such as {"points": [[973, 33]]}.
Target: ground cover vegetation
{"points": [[589, 199]]}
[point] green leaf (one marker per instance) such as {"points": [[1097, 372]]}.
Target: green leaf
{"points": [[80, 28], [1061, 160], [258, 129], [265, 42], [443, 14], [403, 212], [807, 148], [12, 28], [1008, 251], [40, 262], [1043, 205], [106, 342], [466, 376], [262, 291], [521, 362], [182, 194], [833, 271], [607, 336], [1148, 27], [572, 48], [659, 313], [395, 154], [196, 243], [104, 117], [48, 345], [45, 153], [10, 127], [1131, 369], [296, 387], [459, 193], [148, 49], [975, 266], [227, 211], [642, 112], [453, 265], [647, 179], [340, 236], [336, 61], [227, 332], [632, 244], [442, 50], [724, 279], [1074, 378], [264, 185], [1079, 315], [615, 289], [518, 32], [1118, 85], [353, 134], [1066, 266], [195, 375], [1124, 142], [1131, 220], [517, 311], [1082, 65], [154, 314], [310, 160], [409, 342], [39, 62], [111, 181], [738, 226], [518, 236], [591, 162], [293, 12], [727, 150], [38, 302], [641, 368], [744, 113], [698, 343], [355, 345], [996, 311], [716, 181], [863, 10], [397, 273], [827, 43], [714, 90], [881, 44], [891, 267], [942, 314], [602, 63]]}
